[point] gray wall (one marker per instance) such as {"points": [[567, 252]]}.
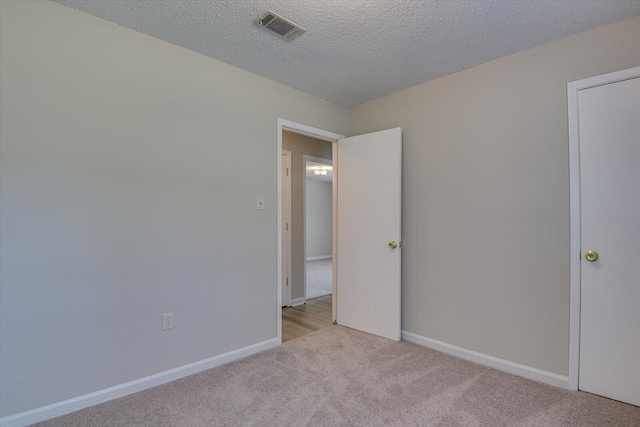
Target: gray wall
{"points": [[130, 170], [300, 145], [486, 196], [319, 214]]}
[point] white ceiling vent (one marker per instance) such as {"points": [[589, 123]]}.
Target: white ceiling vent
{"points": [[278, 25]]}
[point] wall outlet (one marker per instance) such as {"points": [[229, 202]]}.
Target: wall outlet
{"points": [[167, 321], [260, 203]]}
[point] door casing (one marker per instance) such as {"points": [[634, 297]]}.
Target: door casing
{"points": [[323, 135], [574, 190], [286, 216]]}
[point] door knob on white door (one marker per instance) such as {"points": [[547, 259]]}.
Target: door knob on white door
{"points": [[591, 256], [392, 244]]}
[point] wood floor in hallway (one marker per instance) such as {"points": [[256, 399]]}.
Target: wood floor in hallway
{"points": [[303, 319]]}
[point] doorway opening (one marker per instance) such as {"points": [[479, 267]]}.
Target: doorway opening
{"points": [[318, 227], [307, 291], [307, 218]]}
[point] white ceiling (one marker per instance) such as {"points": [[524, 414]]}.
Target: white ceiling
{"points": [[312, 166], [355, 51]]}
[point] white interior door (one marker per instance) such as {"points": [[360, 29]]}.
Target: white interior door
{"points": [[368, 218], [609, 135]]}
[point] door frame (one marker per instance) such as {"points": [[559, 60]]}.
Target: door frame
{"points": [[286, 213], [306, 158], [573, 89], [323, 135]]}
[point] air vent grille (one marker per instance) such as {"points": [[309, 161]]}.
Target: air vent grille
{"points": [[278, 25]]}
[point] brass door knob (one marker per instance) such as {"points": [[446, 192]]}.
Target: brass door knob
{"points": [[392, 244], [591, 256]]}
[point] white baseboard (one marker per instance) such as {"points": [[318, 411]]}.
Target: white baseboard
{"points": [[485, 359], [298, 301], [314, 258], [61, 408]]}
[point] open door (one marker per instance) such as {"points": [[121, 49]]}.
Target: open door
{"points": [[369, 190]]}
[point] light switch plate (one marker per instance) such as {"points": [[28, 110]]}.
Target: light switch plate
{"points": [[260, 203], [167, 321]]}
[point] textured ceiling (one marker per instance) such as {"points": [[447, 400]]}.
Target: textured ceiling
{"points": [[358, 50]]}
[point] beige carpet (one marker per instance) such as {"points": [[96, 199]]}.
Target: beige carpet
{"points": [[341, 377]]}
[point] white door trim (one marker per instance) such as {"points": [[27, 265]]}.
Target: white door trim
{"points": [[305, 159], [324, 135], [574, 191], [286, 298]]}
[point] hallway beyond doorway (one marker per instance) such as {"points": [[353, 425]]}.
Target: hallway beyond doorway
{"points": [[306, 318], [319, 278]]}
